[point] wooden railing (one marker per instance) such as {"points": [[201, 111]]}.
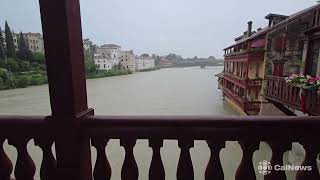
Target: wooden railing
{"points": [[278, 90], [241, 102], [245, 56], [254, 82], [278, 132], [243, 82]]}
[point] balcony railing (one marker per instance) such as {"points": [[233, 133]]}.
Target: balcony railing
{"points": [[243, 82], [278, 132], [246, 56], [279, 91], [245, 105]]}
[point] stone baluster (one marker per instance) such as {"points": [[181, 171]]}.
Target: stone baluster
{"points": [[310, 161], [5, 163], [25, 167], [245, 170], [102, 169], [48, 169], [185, 168], [278, 150], [214, 169], [156, 171], [129, 169]]}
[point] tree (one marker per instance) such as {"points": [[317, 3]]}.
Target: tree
{"points": [[2, 51], [38, 58], [174, 57], [211, 58], [23, 52], [11, 50], [145, 55]]}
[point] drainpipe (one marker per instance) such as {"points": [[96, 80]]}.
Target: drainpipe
{"points": [[304, 56]]}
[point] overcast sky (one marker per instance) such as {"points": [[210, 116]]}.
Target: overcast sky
{"points": [[187, 27]]}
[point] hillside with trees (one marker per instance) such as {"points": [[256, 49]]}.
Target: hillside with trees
{"points": [[20, 68]]}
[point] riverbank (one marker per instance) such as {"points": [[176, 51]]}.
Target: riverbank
{"points": [[35, 78], [107, 73], [150, 69], [22, 79]]}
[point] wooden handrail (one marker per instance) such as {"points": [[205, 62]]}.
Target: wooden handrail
{"points": [[278, 132], [279, 91]]}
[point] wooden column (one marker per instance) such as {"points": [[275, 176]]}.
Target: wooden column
{"points": [[62, 35]]}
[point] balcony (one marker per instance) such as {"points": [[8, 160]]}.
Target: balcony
{"points": [[245, 56], [277, 90], [246, 106], [243, 82]]}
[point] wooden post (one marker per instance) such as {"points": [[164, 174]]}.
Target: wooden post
{"points": [[62, 35]]}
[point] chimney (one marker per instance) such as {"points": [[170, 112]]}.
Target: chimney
{"points": [[249, 32], [275, 19]]}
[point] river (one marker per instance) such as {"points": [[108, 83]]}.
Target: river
{"points": [[174, 91]]}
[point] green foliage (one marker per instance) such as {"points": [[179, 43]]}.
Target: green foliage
{"points": [[2, 51], [108, 73], [145, 55], [37, 67], [23, 52], [4, 75], [24, 66], [150, 69], [1, 83], [38, 58], [174, 57], [22, 81], [13, 65], [38, 79], [11, 50], [90, 67]]}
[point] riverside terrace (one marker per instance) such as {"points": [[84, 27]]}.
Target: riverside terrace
{"points": [[72, 125]]}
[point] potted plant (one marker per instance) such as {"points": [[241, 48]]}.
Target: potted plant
{"points": [[305, 82]]}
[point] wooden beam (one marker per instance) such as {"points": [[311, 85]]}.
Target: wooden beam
{"points": [[62, 35], [64, 56]]}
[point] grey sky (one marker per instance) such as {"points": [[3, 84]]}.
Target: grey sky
{"points": [[187, 27]]}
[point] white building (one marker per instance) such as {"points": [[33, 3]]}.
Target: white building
{"points": [[107, 56], [143, 63], [127, 60], [103, 63]]}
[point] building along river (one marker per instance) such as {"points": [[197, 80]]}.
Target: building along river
{"points": [[173, 91]]}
